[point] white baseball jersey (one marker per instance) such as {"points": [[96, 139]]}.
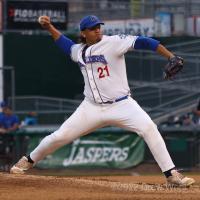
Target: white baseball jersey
{"points": [[104, 69]]}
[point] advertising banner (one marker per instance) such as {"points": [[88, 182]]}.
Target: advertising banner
{"points": [[23, 15], [143, 27], [105, 149]]}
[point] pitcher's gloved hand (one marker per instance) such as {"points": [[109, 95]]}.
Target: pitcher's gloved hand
{"points": [[174, 65]]}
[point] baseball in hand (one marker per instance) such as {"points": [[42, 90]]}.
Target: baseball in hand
{"points": [[40, 20]]}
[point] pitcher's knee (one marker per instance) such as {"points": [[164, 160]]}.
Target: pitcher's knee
{"points": [[149, 128], [61, 136]]}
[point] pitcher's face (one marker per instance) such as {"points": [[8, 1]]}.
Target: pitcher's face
{"points": [[92, 35]]}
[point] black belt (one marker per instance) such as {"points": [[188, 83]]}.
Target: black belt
{"points": [[116, 100]]}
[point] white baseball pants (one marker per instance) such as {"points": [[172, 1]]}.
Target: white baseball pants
{"points": [[89, 116]]}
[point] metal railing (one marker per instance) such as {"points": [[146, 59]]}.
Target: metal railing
{"points": [[41, 104]]}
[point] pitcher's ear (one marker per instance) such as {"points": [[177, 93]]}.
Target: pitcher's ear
{"points": [[82, 34]]}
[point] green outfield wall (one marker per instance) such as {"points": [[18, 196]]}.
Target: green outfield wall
{"points": [[100, 149], [108, 147]]}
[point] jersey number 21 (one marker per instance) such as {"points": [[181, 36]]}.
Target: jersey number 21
{"points": [[103, 71]]}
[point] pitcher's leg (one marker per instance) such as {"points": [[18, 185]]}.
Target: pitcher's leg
{"points": [[157, 146], [132, 117], [80, 123]]}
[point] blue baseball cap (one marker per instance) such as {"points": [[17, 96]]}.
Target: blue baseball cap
{"points": [[89, 22]]}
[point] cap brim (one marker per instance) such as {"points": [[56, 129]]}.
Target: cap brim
{"points": [[94, 24]]}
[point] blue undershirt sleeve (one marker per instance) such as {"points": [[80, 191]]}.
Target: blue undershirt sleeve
{"points": [[146, 43], [64, 44]]}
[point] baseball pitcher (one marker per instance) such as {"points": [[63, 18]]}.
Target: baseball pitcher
{"points": [[107, 95]]}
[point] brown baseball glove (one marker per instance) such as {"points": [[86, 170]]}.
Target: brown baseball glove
{"points": [[174, 66]]}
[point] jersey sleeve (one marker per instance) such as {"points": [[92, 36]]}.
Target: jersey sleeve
{"points": [[74, 52], [64, 44], [123, 43], [146, 43]]}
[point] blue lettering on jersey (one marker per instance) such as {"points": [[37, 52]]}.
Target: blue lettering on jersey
{"points": [[96, 58]]}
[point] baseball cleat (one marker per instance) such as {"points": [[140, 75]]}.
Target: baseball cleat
{"points": [[21, 166], [177, 179]]}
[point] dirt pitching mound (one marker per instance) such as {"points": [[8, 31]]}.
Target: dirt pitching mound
{"points": [[35, 187]]}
